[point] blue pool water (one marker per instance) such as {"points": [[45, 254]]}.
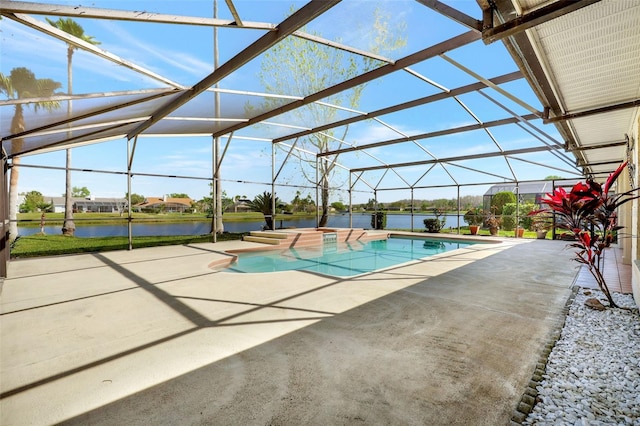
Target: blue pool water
{"points": [[344, 259]]}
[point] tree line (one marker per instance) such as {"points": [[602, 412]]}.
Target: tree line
{"points": [[34, 201]]}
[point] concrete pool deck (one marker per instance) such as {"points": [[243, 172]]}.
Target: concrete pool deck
{"points": [[153, 336]]}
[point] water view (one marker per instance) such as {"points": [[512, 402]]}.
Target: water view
{"points": [[362, 220]]}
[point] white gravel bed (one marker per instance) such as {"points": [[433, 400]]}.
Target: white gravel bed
{"points": [[592, 375]]}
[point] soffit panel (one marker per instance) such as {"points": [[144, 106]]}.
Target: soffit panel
{"points": [[602, 128], [591, 58], [594, 53], [606, 154]]}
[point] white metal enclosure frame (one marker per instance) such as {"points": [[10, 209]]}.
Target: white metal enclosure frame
{"points": [[528, 31]]}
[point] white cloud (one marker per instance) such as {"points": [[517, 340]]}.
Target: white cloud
{"points": [[136, 50]]}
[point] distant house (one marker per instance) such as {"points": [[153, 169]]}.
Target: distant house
{"points": [[528, 192], [89, 205], [240, 205], [165, 205]]}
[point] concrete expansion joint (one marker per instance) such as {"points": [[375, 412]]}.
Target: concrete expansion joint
{"points": [[530, 395]]}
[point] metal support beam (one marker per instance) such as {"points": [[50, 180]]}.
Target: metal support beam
{"points": [[531, 19], [273, 187], [317, 191], [350, 202], [460, 158], [458, 215], [406, 105], [130, 152], [291, 148], [455, 14], [599, 163], [300, 18], [81, 44], [234, 12], [600, 146], [412, 209], [89, 115], [491, 85], [4, 216], [437, 133], [422, 55], [214, 172], [526, 55], [123, 15], [601, 110]]}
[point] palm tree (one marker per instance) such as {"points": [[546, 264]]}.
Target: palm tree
{"points": [[21, 83], [70, 26], [263, 203]]}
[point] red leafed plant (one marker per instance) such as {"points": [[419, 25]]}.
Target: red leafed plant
{"points": [[588, 213]]}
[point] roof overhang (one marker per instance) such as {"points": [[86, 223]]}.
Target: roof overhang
{"points": [[581, 59]]}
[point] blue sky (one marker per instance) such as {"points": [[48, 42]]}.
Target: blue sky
{"points": [[185, 55]]}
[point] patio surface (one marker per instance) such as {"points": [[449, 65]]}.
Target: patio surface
{"points": [[616, 273], [153, 336]]}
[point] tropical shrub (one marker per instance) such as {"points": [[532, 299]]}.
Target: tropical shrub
{"points": [[526, 221], [263, 203], [433, 225], [473, 217], [34, 202], [509, 216], [510, 219], [499, 200], [438, 212], [588, 214]]}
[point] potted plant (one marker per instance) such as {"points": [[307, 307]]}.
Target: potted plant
{"points": [[515, 216], [492, 221], [540, 223], [521, 226], [474, 219]]}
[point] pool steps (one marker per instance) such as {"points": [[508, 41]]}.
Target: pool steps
{"points": [[266, 237], [288, 238], [262, 239]]}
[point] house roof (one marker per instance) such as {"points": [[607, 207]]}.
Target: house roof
{"points": [[540, 187], [95, 200], [152, 201]]}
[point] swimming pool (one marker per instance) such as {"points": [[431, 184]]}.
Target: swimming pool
{"points": [[345, 259]]}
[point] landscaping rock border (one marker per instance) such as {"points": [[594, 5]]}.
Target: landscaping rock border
{"points": [[589, 372], [528, 399]]}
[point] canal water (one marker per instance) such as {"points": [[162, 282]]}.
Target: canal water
{"points": [[395, 221]]}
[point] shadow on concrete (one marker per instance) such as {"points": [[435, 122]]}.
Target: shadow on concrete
{"points": [[457, 348]]}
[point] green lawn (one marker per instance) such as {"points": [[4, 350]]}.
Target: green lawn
{"points": [[33, 219], [50, 245]]}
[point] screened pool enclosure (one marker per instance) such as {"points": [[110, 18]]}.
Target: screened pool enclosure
{"points": [[349, 100]]}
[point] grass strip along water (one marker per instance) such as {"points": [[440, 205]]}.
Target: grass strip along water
{"points": [[51, 245]]}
